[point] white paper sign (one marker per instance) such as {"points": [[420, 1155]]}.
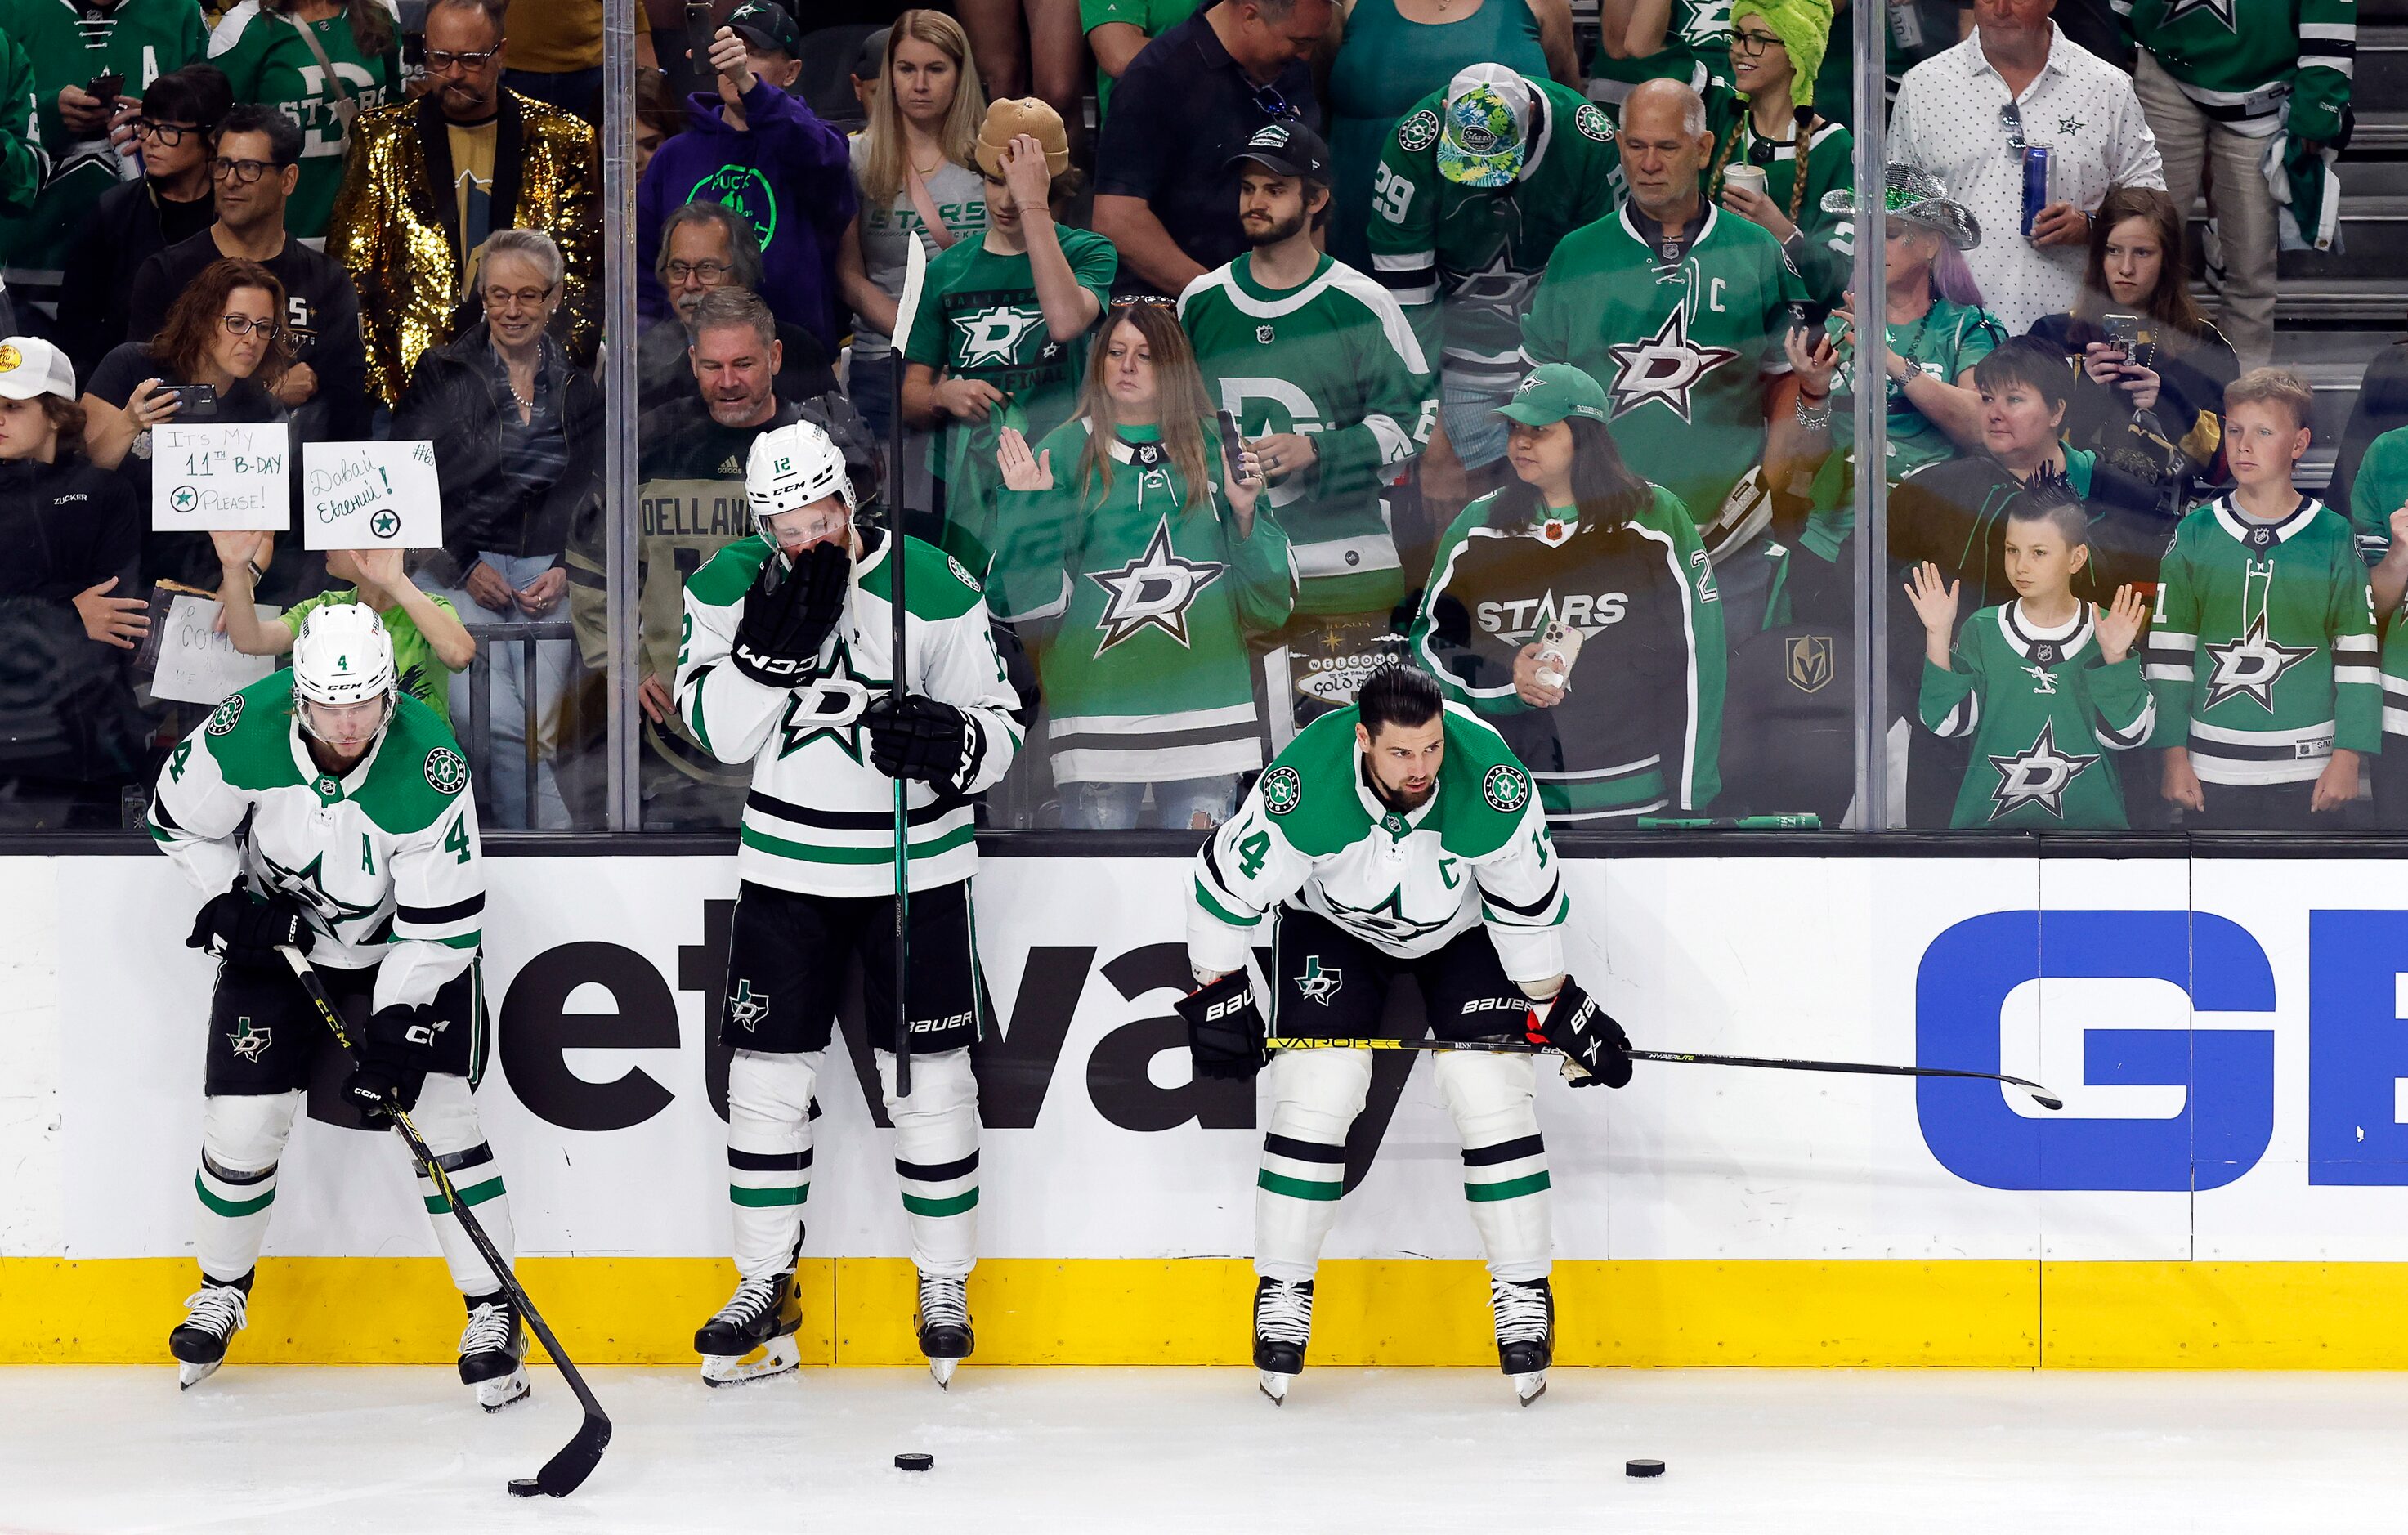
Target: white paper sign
{"points": [[370, 496], [196, 664], [208, 474]]}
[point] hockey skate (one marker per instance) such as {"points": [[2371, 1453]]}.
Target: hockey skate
{"points": [[943, 1324], [492, 1351], [760, 1318], [1282, 1328], [213, 1315], [1525, 1333]]}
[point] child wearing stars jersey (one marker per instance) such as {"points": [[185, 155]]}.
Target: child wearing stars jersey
{"points": [[1136, 585], [2044, 685], [2263, 657]]}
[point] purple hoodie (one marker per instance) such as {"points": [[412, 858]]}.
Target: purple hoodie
{"points": [[788, 174]]}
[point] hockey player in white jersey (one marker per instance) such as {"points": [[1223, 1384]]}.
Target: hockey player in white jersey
{"points": [[1399, 836], [786, 665], [325, 809]]}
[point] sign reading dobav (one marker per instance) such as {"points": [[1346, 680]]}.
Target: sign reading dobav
{"points": [[208, 474], [370, 496]]}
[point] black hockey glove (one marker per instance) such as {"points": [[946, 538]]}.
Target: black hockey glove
{"points": [[788, 615], [397, 1051], [1225, 1028], [934, 742], [243, 929], [1586, 1033]]}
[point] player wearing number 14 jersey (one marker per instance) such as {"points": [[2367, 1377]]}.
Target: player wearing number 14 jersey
{"points": [[1396, 837]]}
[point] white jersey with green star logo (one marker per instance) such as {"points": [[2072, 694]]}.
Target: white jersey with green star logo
{"points": [[1335, 360], [2263, 654], [1311, 837], [384, 859], [821, 818], [1682, 350]]}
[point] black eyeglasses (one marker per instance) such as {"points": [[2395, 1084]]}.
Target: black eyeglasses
{"points": [[2010, 118], [1751, 45], [169, 134], [243, 324], [244, 171], [441, 61], [1275, 107], [705, 271]]}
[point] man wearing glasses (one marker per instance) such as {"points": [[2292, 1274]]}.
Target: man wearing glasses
{"points": [[1970, 114], [254, 171], [429, 180], [707, 247]]}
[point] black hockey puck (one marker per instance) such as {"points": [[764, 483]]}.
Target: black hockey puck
{"points": [[915, 1460], [1642, 1468], [525, 1486]]}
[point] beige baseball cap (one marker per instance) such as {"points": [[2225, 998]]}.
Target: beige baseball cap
{"points": [[1008, 118], [31, 367]]}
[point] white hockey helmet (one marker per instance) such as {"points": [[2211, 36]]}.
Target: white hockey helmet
{"points": [[792, 467], [344, 656]]}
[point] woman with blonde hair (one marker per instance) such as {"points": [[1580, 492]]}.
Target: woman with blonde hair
{"points": [[1136, 558], [912, 167]]}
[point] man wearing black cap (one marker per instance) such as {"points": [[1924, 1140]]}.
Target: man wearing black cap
{"points": [[1320, 369], [759, 149]]}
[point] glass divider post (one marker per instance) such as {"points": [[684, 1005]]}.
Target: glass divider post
{"points": [[618, 379], [1870, 19]]}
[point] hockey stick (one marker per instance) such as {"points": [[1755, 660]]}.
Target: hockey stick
{"points": [[2040, 1096], [566, 1470], [916, 267]]}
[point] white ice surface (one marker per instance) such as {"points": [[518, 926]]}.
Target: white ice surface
{"points": [[1800, 1452]]}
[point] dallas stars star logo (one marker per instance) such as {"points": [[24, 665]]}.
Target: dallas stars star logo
{"points": [[308, 885], [1665, 368], [745, 1008], [2251, 665], [815, 711], [1153, 591], [991, 335], [2037, 777], [1384, 919], [248, 1039], [2220, 9], [1317, 984]]}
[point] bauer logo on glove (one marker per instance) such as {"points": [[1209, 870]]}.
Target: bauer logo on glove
{"points": [[1225, 1028], [1587, 1034]]}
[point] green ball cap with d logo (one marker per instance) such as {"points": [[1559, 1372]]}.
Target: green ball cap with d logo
{"points": [[1553, 393]]}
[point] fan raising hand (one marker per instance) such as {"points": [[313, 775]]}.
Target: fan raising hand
{"points": [[1022, 470]]}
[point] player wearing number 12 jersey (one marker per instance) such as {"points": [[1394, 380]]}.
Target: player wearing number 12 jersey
{"points": [[1396, 837]]}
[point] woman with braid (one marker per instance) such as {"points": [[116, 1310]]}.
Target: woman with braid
{"points": [[1763, 118]]}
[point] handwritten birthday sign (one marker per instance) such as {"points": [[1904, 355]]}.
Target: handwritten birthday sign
{"points": [[216, 474]]}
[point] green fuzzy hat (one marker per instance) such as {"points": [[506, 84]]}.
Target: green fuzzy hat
{"points": [[1804, 28]]}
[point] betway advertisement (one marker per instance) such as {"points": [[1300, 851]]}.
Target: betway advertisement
{"points": [[2228, 1037]]}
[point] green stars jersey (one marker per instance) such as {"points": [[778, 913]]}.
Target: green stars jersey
{"points": [[24, 163], [267, 59], [1335, 360], [2395, 681], [1311, 838], [1138, 595], [2263, 654], [979, 318], [1827, 254], [2242, 61], [68, 45], [821, 819], [423, 676], [1682, 351], [1472, 254], [2043, 708], [1643, 728], [1696, 49], [385, 858]]}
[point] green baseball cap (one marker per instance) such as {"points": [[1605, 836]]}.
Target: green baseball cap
{"points": [[1553, 392], [1485, 132]]}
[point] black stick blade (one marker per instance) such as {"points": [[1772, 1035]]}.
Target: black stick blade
{"points": [[566, 1471]]}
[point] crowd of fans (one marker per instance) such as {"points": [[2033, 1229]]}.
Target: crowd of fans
{"points": [[1542, 339]]}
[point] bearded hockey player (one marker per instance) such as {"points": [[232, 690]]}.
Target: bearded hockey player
{"points": [[321, 808], [786, 665], [1397, 836]]}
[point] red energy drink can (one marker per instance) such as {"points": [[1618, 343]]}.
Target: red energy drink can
{"points": [[2036, 166]]}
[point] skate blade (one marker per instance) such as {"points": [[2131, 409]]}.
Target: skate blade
{"points": [[778, 1356], [188, 1376], [941, 1371], [494, 1395], [1531, 1387], [1273, 1385]]}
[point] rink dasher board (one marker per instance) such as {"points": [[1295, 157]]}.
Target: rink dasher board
{"points": [[2250, 1146]]}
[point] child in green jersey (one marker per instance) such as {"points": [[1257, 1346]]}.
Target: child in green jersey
{"points": [[2264, 656], [2035, 681], [422, 628]]}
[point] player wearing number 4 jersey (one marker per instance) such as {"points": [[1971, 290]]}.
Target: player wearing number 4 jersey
{"points": [[323, 809], [787, 664], [1396, 837]]}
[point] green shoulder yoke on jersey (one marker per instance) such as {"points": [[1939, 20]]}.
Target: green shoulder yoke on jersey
{"points": [[727, 575], [251, 735], [419, 771], [938, 587], [1482, 790]]}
